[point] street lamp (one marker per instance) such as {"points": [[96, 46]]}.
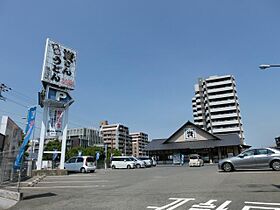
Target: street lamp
{"points": [[266, 66]]}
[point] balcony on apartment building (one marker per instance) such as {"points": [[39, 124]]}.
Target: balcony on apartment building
{"points": [[222, 102], [218, 116], [198, 100], [222, 109], [226, 129], [200, 123], [197, 118], [223, 82], [225, 122], [220, 89], [217, 96]]}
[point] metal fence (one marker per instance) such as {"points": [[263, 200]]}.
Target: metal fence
{"points": [[8, 174]]}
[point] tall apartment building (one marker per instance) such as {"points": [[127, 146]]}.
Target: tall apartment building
{"points": [[116, 136], [139, 142], [84, 137], [216, 106]]}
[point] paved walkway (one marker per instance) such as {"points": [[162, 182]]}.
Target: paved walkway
{"points": [[6, 203]]}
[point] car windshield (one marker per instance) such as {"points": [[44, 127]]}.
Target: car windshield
{"points": [[144, 158]]}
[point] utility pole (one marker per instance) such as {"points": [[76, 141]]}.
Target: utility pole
{"points": [[3, 88]]}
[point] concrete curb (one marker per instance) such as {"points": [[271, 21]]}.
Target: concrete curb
{"points": [[33, 182], [12, 195]]}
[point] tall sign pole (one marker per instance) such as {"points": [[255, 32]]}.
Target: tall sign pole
{"points": [[42, 139], [58, 79], [64, 138]]}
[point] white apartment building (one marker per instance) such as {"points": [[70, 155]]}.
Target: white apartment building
{"points": [[116, 136], [139, 142], [84, 137], [216, 106]]}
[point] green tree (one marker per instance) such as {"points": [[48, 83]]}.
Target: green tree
{"points": [[88, 151], [115, 152], [74, 152], [51, 146]]}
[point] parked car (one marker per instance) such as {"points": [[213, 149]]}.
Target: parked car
{"points": [[122, 162], [252, 159], [147, 160], [138, 163], [195, 160], [80, 164]]}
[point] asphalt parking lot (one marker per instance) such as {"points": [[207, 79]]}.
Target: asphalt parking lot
{"points": [[161, 187]]}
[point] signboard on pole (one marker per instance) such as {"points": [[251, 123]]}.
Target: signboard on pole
{"points": [[58, 95], [58, 78], [59, 66], [55, 122], [28, 131]]}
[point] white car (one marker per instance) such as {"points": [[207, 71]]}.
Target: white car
{"points": [[80, 164], [122, 162], [138, 163], [147, 160], [195, 160]]}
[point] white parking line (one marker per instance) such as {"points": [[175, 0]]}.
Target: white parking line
{"points": [[73, 176], [248, 172], [260, 203], [173, 205], [60, 187], [72, 181]]}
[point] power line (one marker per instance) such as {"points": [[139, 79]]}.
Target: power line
{"points": [[4, 88], [17, 95], [22, 95], [39, 111], [15, 102]]}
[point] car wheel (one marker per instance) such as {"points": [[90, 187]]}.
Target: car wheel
{"points": [[83, 170], [275, 165], [138, 166], [227, 167], [128, 167], [113, 167]]}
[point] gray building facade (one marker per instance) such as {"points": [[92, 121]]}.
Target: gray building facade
{"points": [[216, 106], [116, 136], [84, 137], [139, 142]]}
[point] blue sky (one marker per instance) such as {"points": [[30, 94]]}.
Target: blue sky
{"points": [[139, 60]]}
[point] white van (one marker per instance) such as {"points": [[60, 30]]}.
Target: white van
{"points": [[80, 164], [196, 160], [122, 162]]}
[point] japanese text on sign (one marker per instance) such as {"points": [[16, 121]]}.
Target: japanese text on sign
{"points": [[59, 65], [55, 122]]}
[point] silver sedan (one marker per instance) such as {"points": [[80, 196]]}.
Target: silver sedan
{"points": [[252, 159]]}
